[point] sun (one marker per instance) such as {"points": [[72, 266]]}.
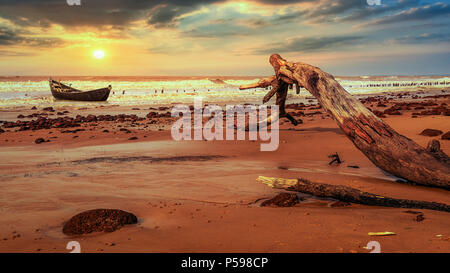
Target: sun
{"points": [[98, 54]]}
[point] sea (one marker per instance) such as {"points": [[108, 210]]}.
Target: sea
{"points": [[161, 90]]}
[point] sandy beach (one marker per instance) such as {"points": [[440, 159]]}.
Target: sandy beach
{"points": [[202, 196]]}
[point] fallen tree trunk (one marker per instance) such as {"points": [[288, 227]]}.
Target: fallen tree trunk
{"points": [[387, 149], [348, 194]]}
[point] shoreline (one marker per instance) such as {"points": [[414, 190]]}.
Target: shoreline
{"points": [[303, 97]]}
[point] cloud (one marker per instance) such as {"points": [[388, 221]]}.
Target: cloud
{"points": [[424, 38], [289, 17], [105, 12], [8, 53], [167, 15], [233, 22], [331, 7], [282, 2], [310, 44], [355, 10], [371, 11], [415, 14], [195, 33], [90, 13], [225, 28], [9, 37]]}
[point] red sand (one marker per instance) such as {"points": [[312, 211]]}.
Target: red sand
{"points": [[210, 205]]}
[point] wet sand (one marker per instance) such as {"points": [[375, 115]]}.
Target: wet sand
{"points": [[202, 196]]}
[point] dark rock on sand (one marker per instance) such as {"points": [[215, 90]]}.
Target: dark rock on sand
{"points": [[392, 112], [431, 132], [49, 109], [419, 218], [338, 204], [283, 199], [419, 215], [73, 131], [66, 122], [125, 130], [158, 115], [40, 140], [379, 114], [133, 138], [98, 220], [446, 136]]}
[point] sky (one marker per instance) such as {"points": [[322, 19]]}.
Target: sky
{"points": [[220, 37]]}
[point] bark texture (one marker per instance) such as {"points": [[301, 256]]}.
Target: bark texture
{"points": [[348, 194]]}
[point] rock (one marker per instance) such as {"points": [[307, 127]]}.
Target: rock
{"points": [[40, 140], [97, 220], [431, 132], [125, 130], [392, 112], [379, 114], [340, 204], [65, 122], [446, 136], [419, 218], [283, 199], [49, 109], [133, 138]]}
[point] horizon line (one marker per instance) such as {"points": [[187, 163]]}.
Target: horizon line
{"points": [[260, 76]]}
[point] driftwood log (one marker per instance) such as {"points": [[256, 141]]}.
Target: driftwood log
{"points": [[387, 149], [348, 194]]}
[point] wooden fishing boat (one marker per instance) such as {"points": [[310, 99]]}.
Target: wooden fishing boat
{"points": [[64, 92]]}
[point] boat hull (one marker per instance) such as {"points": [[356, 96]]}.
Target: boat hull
{"points": [[64, 92]]}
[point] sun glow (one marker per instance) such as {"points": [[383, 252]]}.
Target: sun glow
{"points": [[98, 54]]}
